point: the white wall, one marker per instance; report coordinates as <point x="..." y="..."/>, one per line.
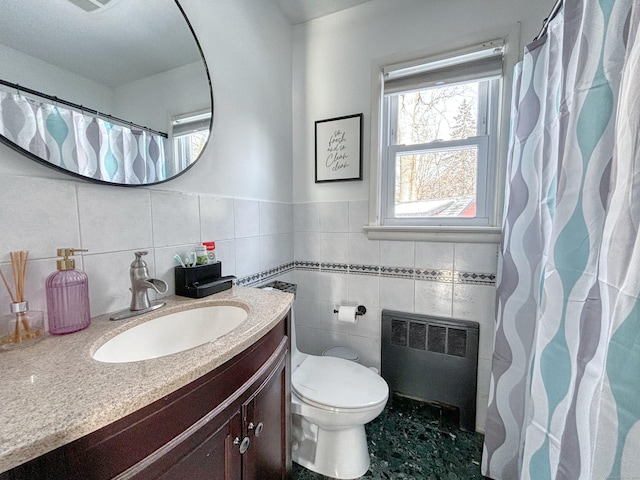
<point x="154" y="100"/>
<point x="28" y="71"/>
<point x="247" y="45"/>
<point x="333" y="59"/>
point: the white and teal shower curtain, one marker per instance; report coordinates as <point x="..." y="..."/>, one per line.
<point x="565" y="387"/>
<point x="82" y="144"/>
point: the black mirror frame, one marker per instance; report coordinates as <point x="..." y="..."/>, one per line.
<point x="32" y="156"/>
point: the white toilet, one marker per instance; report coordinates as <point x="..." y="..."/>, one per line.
<point x="331" y="401"/>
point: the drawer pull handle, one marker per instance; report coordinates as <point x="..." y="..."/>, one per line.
<point x="257" y="428"/>
<point x="243" y="445"/>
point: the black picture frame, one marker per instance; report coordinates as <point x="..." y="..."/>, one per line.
<point x="338" y="148"/>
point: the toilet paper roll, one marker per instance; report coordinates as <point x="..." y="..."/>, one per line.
<point x="347" y="314"/>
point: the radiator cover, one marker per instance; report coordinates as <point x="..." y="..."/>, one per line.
<point x="432" y="359"/>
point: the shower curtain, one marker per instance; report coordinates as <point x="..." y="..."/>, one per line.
<point x="565" y="386"/>
<point x="82" y="144"/>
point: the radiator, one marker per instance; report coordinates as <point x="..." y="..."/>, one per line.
<point x="432" y="359"/>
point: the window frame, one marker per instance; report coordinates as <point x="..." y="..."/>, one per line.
<point x="491" y="233"/>
<point x="183" y="127"/>
<point x="388" y="187"/>
<point x="485" y="170"/>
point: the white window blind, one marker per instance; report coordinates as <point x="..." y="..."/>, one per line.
<point x="190" y="123"/>
<point x="484" y="63"/>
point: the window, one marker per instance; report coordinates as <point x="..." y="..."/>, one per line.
<point x="439" y="140"/>
<point x="190" y="134"/>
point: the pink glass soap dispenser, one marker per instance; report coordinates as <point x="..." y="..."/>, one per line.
<point x="67" y="296"/>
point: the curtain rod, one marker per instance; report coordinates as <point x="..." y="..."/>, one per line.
<point x="545" y="25"/>
<point x="80" y="107"/>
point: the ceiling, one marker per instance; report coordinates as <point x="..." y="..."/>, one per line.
<point x="300" y="11"/>
<point x="89" y="44"/>
<point x="118" y="44"/>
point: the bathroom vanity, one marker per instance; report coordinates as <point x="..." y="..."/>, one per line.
<point x="230" y="421"/>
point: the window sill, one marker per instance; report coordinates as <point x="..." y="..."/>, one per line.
<point x="434" y="234"/>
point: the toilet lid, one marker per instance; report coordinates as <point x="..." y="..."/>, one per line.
<point x="338" y="383"/>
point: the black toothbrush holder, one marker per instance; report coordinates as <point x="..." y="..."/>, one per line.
<point x="201" y="280"/>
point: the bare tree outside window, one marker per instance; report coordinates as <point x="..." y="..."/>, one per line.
<point x="439" y="181"/>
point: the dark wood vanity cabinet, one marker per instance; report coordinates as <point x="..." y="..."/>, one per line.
<point x="231" y="424"/>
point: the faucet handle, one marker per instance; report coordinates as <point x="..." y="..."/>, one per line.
<point x="138" y="262"/>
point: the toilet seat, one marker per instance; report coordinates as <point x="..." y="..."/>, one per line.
<point x="335" y="383"/>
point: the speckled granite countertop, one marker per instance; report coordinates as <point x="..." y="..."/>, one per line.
<point x="54" y="392"/>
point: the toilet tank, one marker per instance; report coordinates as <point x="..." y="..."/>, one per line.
<point x="432" y="359"/>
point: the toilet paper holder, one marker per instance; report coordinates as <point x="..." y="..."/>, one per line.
<point x="361" y="310"/>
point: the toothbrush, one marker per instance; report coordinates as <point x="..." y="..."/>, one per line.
<point x="192" y="257"/>
<point x="177" y="258"/>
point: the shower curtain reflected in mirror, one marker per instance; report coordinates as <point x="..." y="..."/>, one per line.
<point x="566" y="365"/>
<point x="81" y="143"/>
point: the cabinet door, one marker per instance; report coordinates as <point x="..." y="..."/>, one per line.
<point x="201" y="455"/>
<point x="266" y="425"/>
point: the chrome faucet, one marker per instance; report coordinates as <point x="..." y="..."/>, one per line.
<point x="140" y="285"/>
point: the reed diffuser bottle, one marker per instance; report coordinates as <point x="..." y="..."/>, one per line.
<point x="67" y="296"/>
<point x="22" y="326"/>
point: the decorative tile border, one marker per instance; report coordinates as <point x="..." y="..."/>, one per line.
<point x="397" y="272"/>
<point x="302" y="265"/>
<point x="257" y="278"/>
<point x="364" y="269"/>
<point x="421" y="274"/>
<point x="475" y="278"/>
<point x="334" y="267"/>
<point x="432" y="275"/>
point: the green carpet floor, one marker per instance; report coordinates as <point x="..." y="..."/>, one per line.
<point x="414" y="440"/>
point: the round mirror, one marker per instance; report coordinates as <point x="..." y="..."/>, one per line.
<point x="115" y="91"/>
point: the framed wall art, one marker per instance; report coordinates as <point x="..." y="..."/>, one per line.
<point x="339" y="149"/>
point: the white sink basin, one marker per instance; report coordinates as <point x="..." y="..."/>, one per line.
<point x="172" y="333"/>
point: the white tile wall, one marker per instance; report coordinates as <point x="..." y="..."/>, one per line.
<point x="363" y="251"/>
<point x="268" y="252"/>
<point x="176" y="218"/>
<point x="334" y="216"/>
<point x="434" y="298"/>
<point x="434" y="255"/>
<point x="397" y="294"/>
<point x="246" y="218"/>
<point x="110" y="223"/>
<point x="476" y="257"/>
<point x="113" y="222"/>
<point x="364" y="290"/>
<point x="285" y="218"/>
<point x="319" y="236"/>
<point x="38" y="215"/>
<point x="226" y="253"/>
<point x="334" y="247"/>
<point x="307" y="246"/>
<point x="397" y="254"/>
<point x="306" y="217"/>
<point x="247" y="256"/>
<point x="269" y="217"/>
<point x="358" y="215"/>
<point x="216" y="218"/>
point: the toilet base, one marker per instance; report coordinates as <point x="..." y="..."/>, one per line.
<point x="340" y="453"/>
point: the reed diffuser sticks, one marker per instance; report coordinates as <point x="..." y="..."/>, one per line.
<point x="19" y="307"/>
<point x="19" y="267"/>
